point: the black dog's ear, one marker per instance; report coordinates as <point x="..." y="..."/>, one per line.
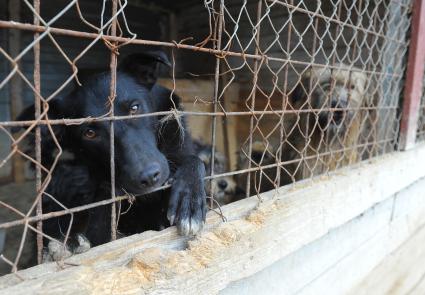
<point x="144" y="66"/>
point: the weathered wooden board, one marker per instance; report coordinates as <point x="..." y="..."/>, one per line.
<point x="401" y="272"/>
<point x="337" y="262"/>
<point x="414" y="77"/>
<point x="255" y="236"/>
<point x="407" y="217"/>
<point x="419" y="288"/>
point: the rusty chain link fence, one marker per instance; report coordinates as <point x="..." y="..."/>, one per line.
<point x="274" y="91"/>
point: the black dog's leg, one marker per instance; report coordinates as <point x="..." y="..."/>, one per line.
<point x="187" y="203"/>
<point x="69" y="187"/>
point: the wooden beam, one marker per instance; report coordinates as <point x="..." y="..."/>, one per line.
<point x="402" y="269"/>
<point x="231" y="145"/>
<point x="401" y="219"/>
<point x="414" y="77"/>
<point x="255" y="236"/>
<point x="190" y="90"/>
<point x="338" y="262"/>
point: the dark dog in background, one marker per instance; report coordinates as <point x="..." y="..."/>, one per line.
<point x="224" y="189"/>
<point x="148" y="151"/>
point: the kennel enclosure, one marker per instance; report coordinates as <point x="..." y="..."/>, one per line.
<point x="237" y="66"/>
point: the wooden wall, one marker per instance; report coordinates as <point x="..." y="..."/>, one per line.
<point x="197" y="95"/>
<point x="379" y="252"/>
<point x="330" y="233"/>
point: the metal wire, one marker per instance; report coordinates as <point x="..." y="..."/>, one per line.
<point x="319" y="89"/>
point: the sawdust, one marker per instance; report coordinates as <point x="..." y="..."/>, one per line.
<point x="156" y="266"/>
<point x="148" y="262"/>
<point x="257" y="218"/>
<point x="259" y="215"/>
<point x="118" y="280"/>
<point x="210" y="245"/>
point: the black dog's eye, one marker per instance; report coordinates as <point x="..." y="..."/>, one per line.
<point x="90" y="133"/>
<point x="134" y="108"/>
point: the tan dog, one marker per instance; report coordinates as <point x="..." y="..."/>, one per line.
<point x="325" y="136"/>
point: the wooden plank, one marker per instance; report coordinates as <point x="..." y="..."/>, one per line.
<point x="419" y="288"/>
<point x="255" y="236"/>
<point x="400" y="273"/>
<point x="229" y="124"/>
<point x="337" y="261"/>
<point x="357" y="265"/>
<point x="414" y="77"/>
<point x="197" y="95"/>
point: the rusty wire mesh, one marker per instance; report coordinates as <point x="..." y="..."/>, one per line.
<point x="292" y="90"/>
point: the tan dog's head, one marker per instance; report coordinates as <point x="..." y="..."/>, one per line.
<point x="335" y="95"/>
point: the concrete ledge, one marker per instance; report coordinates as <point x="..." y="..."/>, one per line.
<point x="255" y="236"/>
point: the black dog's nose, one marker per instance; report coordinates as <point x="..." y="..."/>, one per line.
<point x="222" y="184"/>
<point x="150" y="175"/>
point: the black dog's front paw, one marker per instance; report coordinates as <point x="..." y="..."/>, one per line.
<point x="56" y="251"/>
<point x="187" y="205"/>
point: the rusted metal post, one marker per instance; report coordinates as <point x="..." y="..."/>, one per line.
<point x="414" y="75"/>
<point x="37" y="104"/>
<point x="218" y="35"/>
<point x="112" y="95"/>
<point x="257" y="67"/>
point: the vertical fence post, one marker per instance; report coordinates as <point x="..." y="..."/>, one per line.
<point x="112" y="96"/>
<point x="37" y="105"/>
<point x="217" y="45"/>
<point x="257" y="66"/>
<point x="414" y="75"/>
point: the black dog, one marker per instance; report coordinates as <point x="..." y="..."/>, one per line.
<point x="148" y="151"/>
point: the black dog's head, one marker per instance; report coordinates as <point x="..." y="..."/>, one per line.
<point x="140" y="166"/>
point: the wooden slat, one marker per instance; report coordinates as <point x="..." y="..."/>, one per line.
<point x="255" y="236"/>
<point x="196" y="95"/>
<point x="419" y="288"/>
<point x="338" y="261"/>
<point x="414" y="77"/>
<point x="400" y="273"/>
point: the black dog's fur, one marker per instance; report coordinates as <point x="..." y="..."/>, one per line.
<point x="148" y="151"/>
